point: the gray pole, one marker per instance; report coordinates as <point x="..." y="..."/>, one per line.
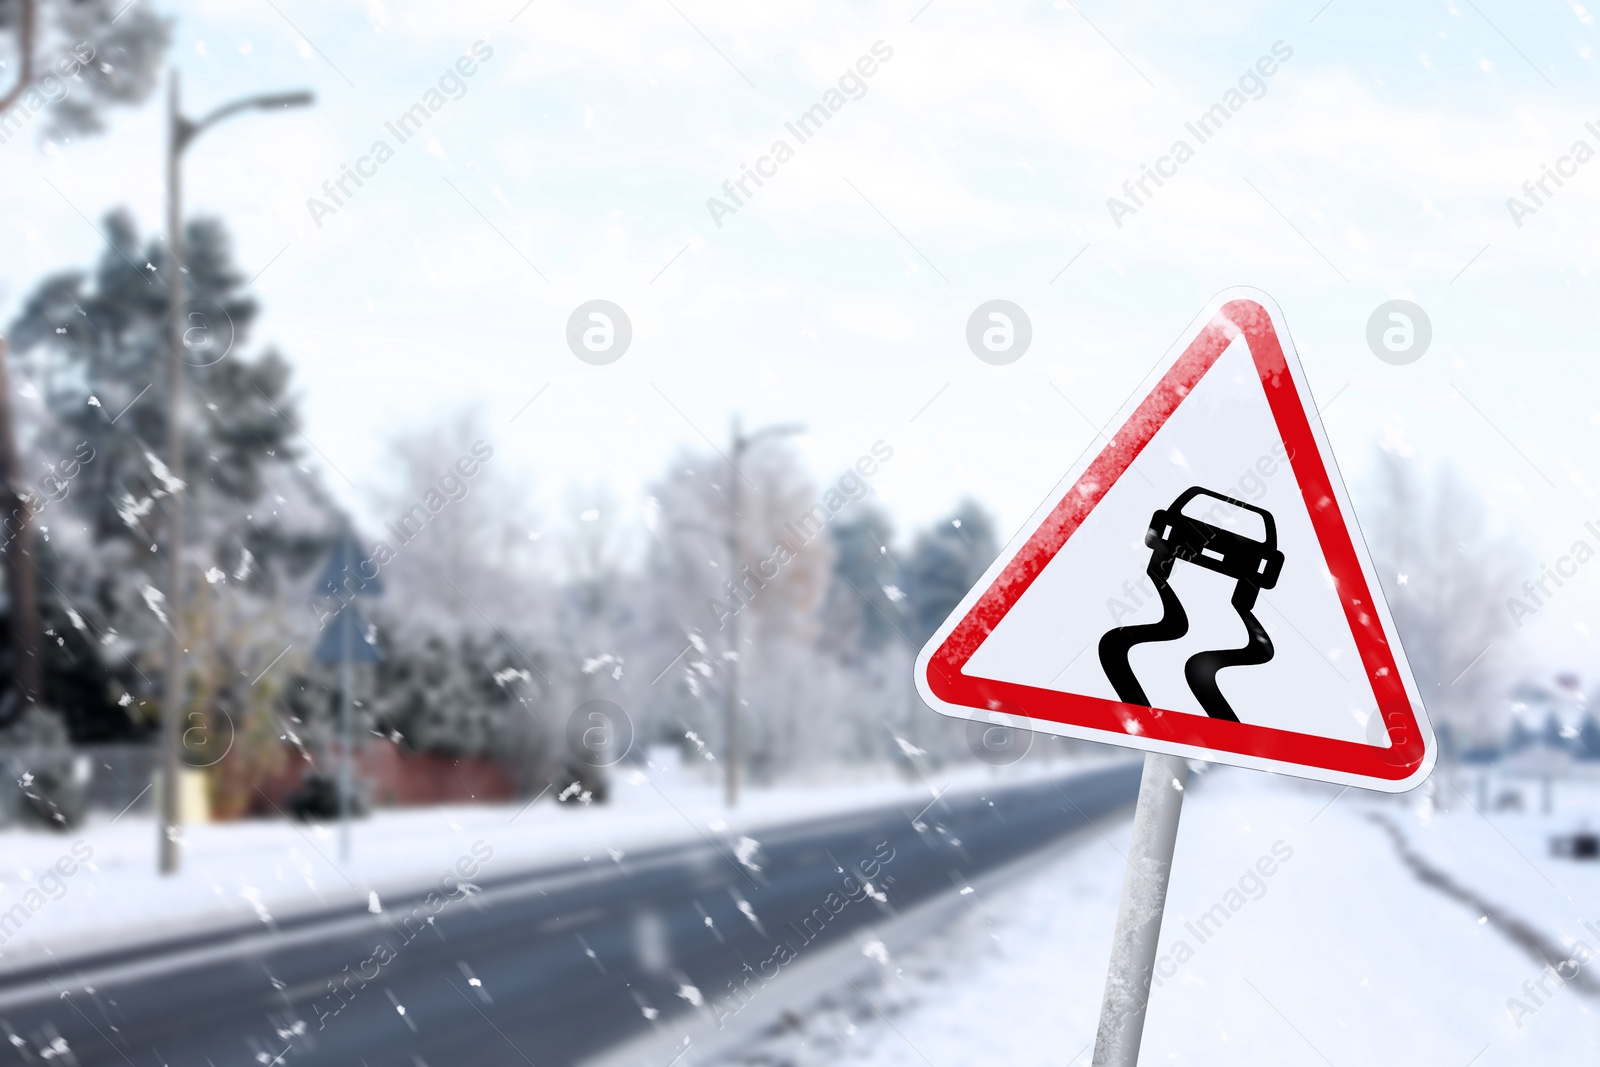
<point x="1144" y="897"/>
<point x="735" y="556"/>
<point x="171" y="712"/>
<point x="344" y="732"/>
<point x="179" y="133"/>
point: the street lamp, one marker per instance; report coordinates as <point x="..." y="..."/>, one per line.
<point x="741" y="445"/>
<point x="181" y="132"/>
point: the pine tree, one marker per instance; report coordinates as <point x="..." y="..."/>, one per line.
<point x="945" y="562"/>
<point x="96" y="344"/>
<point x="76" y="58"/>
<point x="72" y="61"/>
<point x="865" y="607"/>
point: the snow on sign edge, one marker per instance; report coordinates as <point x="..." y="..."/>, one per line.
<point x="1150" y="744"/>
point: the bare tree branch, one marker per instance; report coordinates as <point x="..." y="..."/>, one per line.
<point x="25" y="38"/>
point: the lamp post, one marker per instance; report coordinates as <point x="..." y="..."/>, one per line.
<point x="181" y="132"/>
<point x="741" y="445"/>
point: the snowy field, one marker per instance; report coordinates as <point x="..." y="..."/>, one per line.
<point x="264" y="870"/>
<point x="1341" y="955"/>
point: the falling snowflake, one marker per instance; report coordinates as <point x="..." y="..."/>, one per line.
<point x="130" y="511"/>
<point x="153" y="599"/>
<point x="911" y="751"/>
<point x="253" y="895"/>
<point x="745" y="851"/>
<point x="749" y="912"/>
<point x="163" y="475"/>
<point x="876" y="950"/>
<point x="590" y="666"/>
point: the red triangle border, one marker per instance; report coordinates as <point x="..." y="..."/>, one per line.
<point x="1407" y="750"/>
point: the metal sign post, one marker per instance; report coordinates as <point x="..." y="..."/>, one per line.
<point x="346" y="644"/>
<point x="346" y="684"/>
<point x="1144" y="897"/>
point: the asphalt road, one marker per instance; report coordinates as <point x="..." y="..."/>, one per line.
<point x="543" y="967"/>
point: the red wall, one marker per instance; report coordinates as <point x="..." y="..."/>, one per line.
<point x="396" y="778"/>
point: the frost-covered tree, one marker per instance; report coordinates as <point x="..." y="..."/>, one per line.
<point x="595" y="606"/>
<point x="595" y="599"/>
<point x="464" y="616"/>
<point x="457" y="519"/>
<point x="452" y="693"/>
<point x="72" y="59"/>
<point x="866" y="608"/>
<point x="945" y="562"/>
<point x="776" y="588"/>
<point x="95" y="344"/>
<point x="1446" y="573"/>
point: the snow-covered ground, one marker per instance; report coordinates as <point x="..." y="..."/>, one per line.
<point x="1340" y="955"/>
<point x="267" y="869"/>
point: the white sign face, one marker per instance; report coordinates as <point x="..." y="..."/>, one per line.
<point x="1199" y="586"/>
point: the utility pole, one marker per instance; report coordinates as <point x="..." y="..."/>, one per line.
<point x="735" y="545"/>
<point x="171" y="721"/>
<point x="181" y="132"/>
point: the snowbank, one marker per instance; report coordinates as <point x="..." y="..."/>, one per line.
<point x="264" y="871"/>
<point x="1339" y="955"/>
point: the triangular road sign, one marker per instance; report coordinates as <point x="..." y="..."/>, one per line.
<point x="1198" y="586"/>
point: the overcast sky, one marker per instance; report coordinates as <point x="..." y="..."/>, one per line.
<point x="976" y="164"/>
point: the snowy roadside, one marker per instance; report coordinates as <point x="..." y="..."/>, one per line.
<point x="263" y="871"/>
<point x="1553" y="893"/>
<point x="1338" y="955"/>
